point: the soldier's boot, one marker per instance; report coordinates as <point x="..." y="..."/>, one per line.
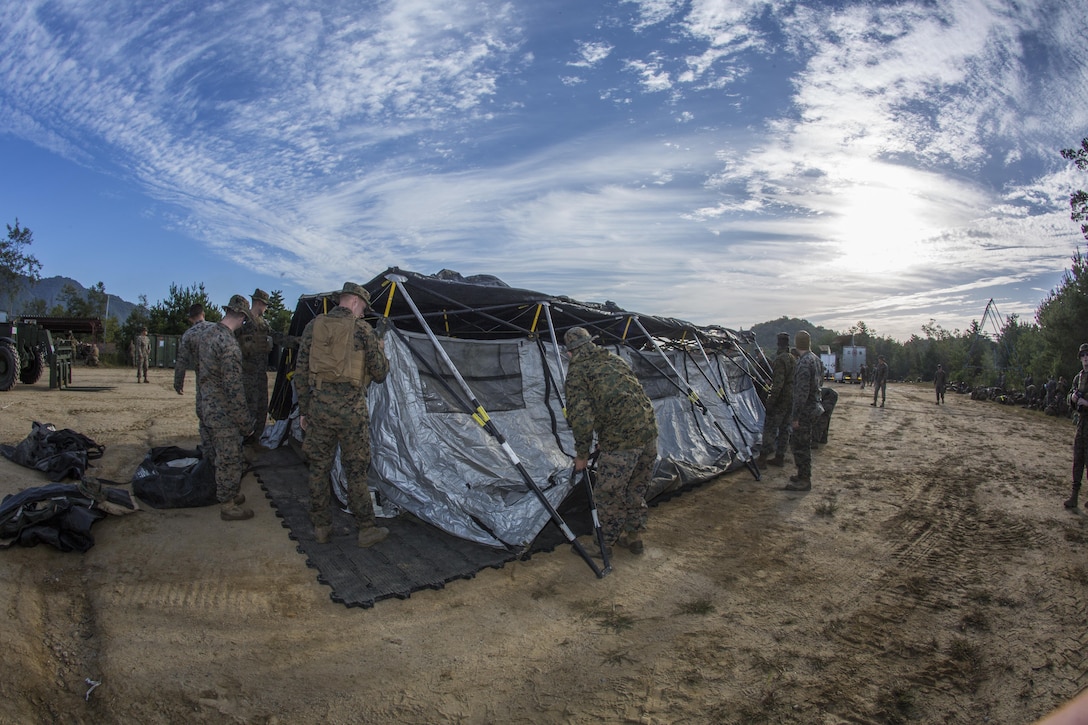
<point x="634" y="542"/>
<point x="762" y="460"/>
<point x="321" y="534"/>
<point x="1071" y="502"/>
<point x="797" y="483"/>
<point x="778" y="461"/>
<point x="231" y="511"/>
<point x="370" y="535"/>
<point x="239" y="498"/>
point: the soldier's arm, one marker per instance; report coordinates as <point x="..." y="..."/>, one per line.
<point x="377" y="364"/>
<point x="301" y="377"/>
<point x="180" y="364"/>
<point x="579" y="414"/>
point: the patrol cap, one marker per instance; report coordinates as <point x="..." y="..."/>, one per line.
<point x="350" y="288"/>
<point x="783" y="339"/>
<point x="803" y="340"/>
<point x="1083" y="349"/>
<point x="238" y="304"/>
<point x="576" y="337"/>
<point x="259" y="295"/>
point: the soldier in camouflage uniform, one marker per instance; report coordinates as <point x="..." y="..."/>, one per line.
<point x="223" y="409"/>
<point x="880" y="381"/>
<point x="1078" y="399"/>
<point x="776" y="423"/>
<point x="807" y="378"/>
<point x="338" y="357"/>
<point x="189" y="355"/>
<point x="603" y="395"/>
<point x="143" y="354"/>
<point x="255" y="339"/>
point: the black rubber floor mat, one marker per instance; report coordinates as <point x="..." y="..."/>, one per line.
<point x="415" y="556"/>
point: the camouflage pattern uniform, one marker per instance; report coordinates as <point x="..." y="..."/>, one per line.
<point x="189" y="354"/>
<point x="337" y="414"/>
<point x="1078" y="392"/>
<point x="806" y="409"/>
<point x="223" y="415"/>
<point x="603" y="395"/>
<point x="776" y="423"/>
<point x="880" y="382"/>
<point x="143" y="355"/>
<point x="255" y="339"/>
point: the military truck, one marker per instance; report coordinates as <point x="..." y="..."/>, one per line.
<point x="26" y="348"/>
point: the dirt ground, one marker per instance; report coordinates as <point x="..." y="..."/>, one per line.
<point x="930" y="576"/>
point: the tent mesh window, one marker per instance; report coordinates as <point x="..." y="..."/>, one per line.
<point x="491" y="369"/>
<point x="652" y="372"/>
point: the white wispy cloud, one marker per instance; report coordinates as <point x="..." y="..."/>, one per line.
<point x="907" y="164"/>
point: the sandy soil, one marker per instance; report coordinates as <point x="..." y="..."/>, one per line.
<point x="931" y="575"/>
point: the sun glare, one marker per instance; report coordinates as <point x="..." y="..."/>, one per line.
<point x="879" y="230"/>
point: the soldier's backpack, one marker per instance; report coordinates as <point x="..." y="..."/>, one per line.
<point x="333" y="357"/>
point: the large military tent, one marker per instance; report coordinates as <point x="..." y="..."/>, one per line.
<point x="468" y="431"/>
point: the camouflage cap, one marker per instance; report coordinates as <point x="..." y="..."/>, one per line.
<point x="576" y="337"/>
<point x="350" y="288"/>
<point x="803" y="340"/>
<point x="783" y="339"/>
<point x="238" y="304"/>
<point x="259" y="295"/>
<point x="1083" y="349"/>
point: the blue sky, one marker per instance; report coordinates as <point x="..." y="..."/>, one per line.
<point x="721" y="162"/>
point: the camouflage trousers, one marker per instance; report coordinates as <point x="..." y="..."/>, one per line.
<point x="1080" y="450"/>
<point x="327" y="428"/>
<point x="776" y="432"/>
<point x="141" y="368"/>
<point x="222" y="447"/>
<point x="623" y="478"/>
<point x="801" y="443"/>
<point x="255" y="384"/>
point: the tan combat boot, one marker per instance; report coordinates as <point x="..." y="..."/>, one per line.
<point x="370" y="535"/>
<point x="231" y="511"/>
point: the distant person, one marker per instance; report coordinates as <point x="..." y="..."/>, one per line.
<point x="776" y="421"/>
<point x="863" y="373"/>
<point x="806" y="409"/>
<point x="143" y="354"/>
<point x="605" y="397"/>
<point x="189" y="354"/>
<point x="92" y="355"/>
<point x="338" y="357"/>
<point x="880" y="381"/>
<point x="255" y="339"/>
<point x="940" y="382"/>
<point x="223" y="409"/>
<point x="1078" y="400"/>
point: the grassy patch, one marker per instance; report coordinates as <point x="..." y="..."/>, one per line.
<point x="702" y="605"/>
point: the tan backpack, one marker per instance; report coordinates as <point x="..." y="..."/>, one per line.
<point x="333" y="357"/>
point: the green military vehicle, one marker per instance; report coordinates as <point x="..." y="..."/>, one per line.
<point x="26" y="349"/>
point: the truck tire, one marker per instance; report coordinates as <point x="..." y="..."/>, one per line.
<point x="9" y="366"/>
<point x="33" y="370"/>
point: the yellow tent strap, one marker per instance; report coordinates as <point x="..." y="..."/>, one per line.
<point x="536" y="318"/>
<point x="446" y="322"/>
<point x="627" y="327"/>
<point x="480" y="416"/>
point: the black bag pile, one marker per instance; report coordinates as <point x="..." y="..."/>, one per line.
<point x="172" y="477"/>
<point x="59" y="453"/>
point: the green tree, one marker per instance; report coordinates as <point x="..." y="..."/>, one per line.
<point x="75" y="302"/>
<point x="1061" y="317"/>
<point x="171" y="316"/>
<point x="35" y="308"/>
<point x="277" y="314"/>
<point x="15" y="264"/>
<point x="139" y="318"/>
<point x="1078" y="200"/>
<point x="97" y="301"/>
